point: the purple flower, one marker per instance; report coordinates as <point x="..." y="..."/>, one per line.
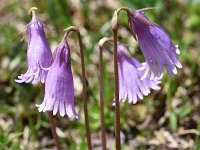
<point x="59" y="86"/>
<point x="132" y="83"/>
<point x="156" y="45"/>
<point x="38" y="54"/>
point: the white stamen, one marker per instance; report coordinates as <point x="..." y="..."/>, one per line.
<point x="178" y="51"/>
<point x="174" y="70"/>
<point x="160" y="77"/>
<point x="178" y="64"/>
<point x="143" y="67"/>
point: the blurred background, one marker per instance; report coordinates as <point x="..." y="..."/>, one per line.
<point x="167" y="119"/>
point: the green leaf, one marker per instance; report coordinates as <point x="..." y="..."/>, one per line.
<point x="185" y="110"/>
<point x="173" y="120"/>
<point x="193" y="21"/>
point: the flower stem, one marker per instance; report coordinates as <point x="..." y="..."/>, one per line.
<point x="122" y="8"/>
<point x="76" y="30"/>
<point x="32" y="11"/>
<point x="117" y="108"/>
<point x="53" y="130"/>
<point x="53" y="125"/>
<point x="101" y="87"/>
<point x="114" y="25"/>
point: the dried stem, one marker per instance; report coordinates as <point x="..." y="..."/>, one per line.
<point x="76" y="30"/>
<point x="101" y="87"/>
<point x="117" y="108"/>
<point x="53" y="125"/>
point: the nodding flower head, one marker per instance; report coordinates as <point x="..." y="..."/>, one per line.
<point x="155" y="43"/>
<point x="59" y="86"/>
<point x="38" y="54"/>
<point x="133" y="84"/>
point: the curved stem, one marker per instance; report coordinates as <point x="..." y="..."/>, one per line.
<point x="122" y="8"/>
<point x="53" y="125"/>
<point x="114" y="24"/>
<point x="32" y="11"/>
<point x="101" y="87"/>
<point x="76" y="30"/>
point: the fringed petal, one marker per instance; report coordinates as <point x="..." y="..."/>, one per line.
<point x="38" y="51"/>
<point x="155" y="43"/>
<point x="59" y="88"/>
<point x="135" y="79"/>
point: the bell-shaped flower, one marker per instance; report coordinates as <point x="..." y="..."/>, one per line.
<point x="59" y="86"/>
<point x="156" y="45"/>
<point x="133" y="84"/>
<point x="38" y="54"/>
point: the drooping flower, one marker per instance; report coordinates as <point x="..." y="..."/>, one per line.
<point x="59" y="86"/>
<point x="132" y="83"/>
<point x="156" y="45"/>
<point x="38" y="54"/>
